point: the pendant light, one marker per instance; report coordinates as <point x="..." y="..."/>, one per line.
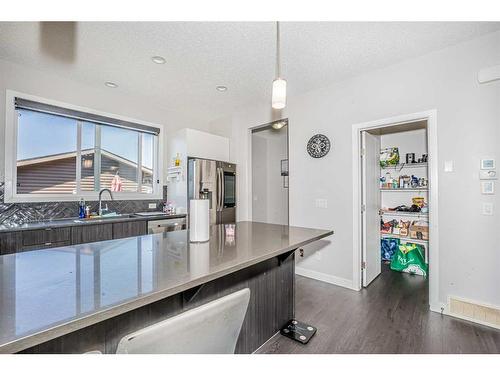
<point x="279" y="84"/>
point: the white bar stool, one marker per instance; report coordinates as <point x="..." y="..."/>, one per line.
<point x="212" y="328"/>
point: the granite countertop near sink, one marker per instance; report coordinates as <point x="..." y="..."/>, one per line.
<point x="48" y="293"/>
<point x="76" y="221"/>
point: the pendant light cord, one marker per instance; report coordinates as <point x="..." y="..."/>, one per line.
<point x="278" y="50"/>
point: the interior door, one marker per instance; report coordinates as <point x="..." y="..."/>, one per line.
<point x="370" y="207"/>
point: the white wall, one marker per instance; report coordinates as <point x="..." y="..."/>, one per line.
<point x="35" y="82"/>
<point x="270" y="197"/>
<point x="468" y="121"/>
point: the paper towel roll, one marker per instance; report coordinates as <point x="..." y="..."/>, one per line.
<point x="199" y="220"/>
<point x="199" y="259"/>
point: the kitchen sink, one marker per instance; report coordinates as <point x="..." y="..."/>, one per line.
<point x="97" y="219"/>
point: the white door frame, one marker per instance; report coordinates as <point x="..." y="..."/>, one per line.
<point x="432" y="144"/>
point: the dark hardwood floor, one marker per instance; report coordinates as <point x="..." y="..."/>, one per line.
<point x="390" y="316"/>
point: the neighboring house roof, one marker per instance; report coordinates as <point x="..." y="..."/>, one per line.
<point x="56" y="173"/>
<point x="49" y="158"/>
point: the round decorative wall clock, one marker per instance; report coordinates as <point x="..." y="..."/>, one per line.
<point x="318" y="146"/>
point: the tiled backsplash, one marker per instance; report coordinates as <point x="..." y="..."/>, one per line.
<point x="19" y="213"/>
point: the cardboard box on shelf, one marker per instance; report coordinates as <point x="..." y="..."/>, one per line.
<point x="419" y="231"/>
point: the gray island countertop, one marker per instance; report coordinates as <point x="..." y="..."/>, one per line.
<point x="45" y="294"/>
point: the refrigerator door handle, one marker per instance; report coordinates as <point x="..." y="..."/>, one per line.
<point x="222" y="183"/>
<point x="218" y="189"/>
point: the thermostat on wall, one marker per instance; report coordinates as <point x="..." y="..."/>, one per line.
<point x="487" y="163"/>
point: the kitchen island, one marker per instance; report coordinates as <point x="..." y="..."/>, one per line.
<point x="86" y="297"/>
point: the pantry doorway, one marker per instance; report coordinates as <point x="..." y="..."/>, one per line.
<point x="395" y="195"/>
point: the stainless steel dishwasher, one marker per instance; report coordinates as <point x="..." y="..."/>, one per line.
<point x="166" y="225"/>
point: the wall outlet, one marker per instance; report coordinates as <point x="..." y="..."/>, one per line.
<point x="448" y="166"/>
<point x="487" y="209"/>
<point x="321" y="203"/>
<point x="152" y="205"/>
<point x="317" y="254"/>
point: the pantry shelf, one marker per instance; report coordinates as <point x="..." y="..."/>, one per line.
<point x="409" y="165"/>
<point x="404" y="239"/>
<point x="405" y="189"/>
<point x="404" y="213"/>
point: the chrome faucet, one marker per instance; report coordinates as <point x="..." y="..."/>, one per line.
<point x="100" y="200"/>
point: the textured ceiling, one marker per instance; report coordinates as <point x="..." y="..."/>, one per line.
<point x="201" y="55"/>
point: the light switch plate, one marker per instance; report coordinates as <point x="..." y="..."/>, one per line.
<point x="321" y="203"/>
<point x="487" y="209"/>
<point x="488" y="174"/>
<point x="448" y="166"/>
<point x="487" y="187"/>
<point x="152" y="205"/>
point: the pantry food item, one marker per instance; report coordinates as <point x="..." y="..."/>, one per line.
<point x="403" y="228"/>
<point x="403" y="208"/>
<point x="418" y="201"/>
<point x="389" y="156"/>
<point x="419" y="230"/>
<point x="386" y="227"/>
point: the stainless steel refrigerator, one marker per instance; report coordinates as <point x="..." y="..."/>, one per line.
<point x="215" y="181"/>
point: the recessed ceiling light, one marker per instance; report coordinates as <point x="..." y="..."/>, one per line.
<point x="111" y="84"/>
<point x="221" y="88"/>
<point x="158" y="60"/>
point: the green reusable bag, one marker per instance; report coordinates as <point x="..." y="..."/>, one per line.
<point x="409" y="259"/>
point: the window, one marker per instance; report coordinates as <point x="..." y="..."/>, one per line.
<point x="46" y="153"/>
<point x="62" y="153"/>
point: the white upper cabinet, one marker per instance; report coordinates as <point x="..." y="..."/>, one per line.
<point x="207" y="146"/>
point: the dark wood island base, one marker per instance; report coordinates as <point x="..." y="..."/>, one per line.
<point x="272" y="304"/>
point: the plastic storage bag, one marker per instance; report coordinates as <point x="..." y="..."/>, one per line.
<point x="389" y="246"/>
<point x="389" y="156"/>
<point x="409" y="259"/>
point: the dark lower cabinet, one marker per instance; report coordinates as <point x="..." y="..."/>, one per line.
<point x="14" y="242"/>
<point x="10" y="242"/>
<point x="91" y="233"/>
<point x="129" y="229"/>
<point x="47" y="245"/>
<point x="46" y="238"/>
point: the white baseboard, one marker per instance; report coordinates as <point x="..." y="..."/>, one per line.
<point x="438" y="307"/>
<point x="339" y="281"/>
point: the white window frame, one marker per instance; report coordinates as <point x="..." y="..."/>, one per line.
<point x="10" y="142"/>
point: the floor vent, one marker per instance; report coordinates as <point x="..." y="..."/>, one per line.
<point x="475" y="312"/>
